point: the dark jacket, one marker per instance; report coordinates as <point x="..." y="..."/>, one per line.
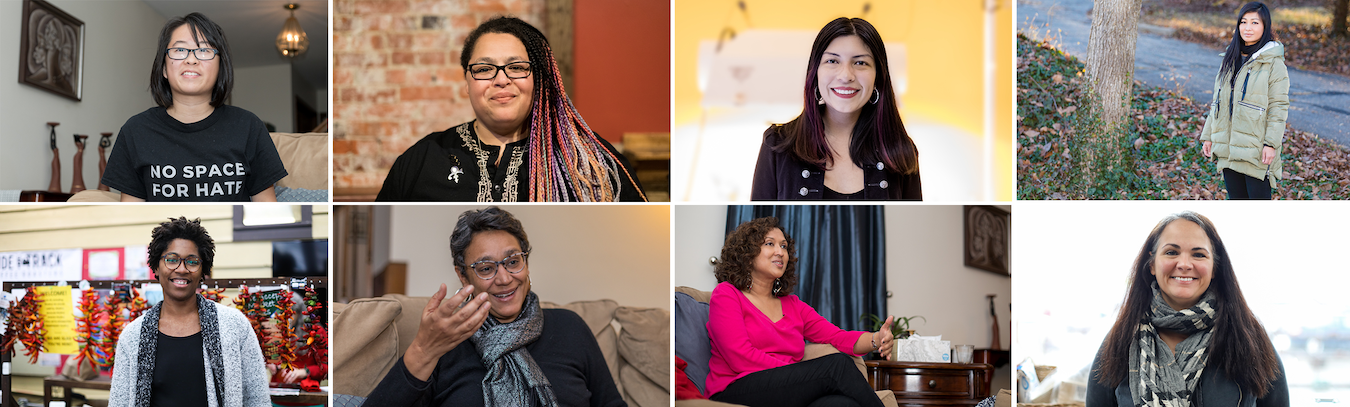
<point x="781" y="176"/>
<point x="1214" y="390"/>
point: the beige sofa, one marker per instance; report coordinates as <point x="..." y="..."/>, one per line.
<point x="305" y="156"/>
<point x="370" y="334"/>
<point x="813" y="350"/>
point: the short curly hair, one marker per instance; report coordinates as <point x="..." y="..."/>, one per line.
<point x="743" y="245"/>
<point x="483" y="220"/>
<point x="181" y="228"/>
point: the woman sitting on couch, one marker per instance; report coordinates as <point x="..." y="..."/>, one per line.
<point x="757" y="328"/>
<point x="512" y="357"/>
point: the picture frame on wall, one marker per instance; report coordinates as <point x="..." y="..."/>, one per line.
<point x="51" y="50"/>
<point x="987" y="236"/>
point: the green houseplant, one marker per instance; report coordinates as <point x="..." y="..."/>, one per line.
<point x="899" y="329"/>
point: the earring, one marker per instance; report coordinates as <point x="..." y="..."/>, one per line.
<point x="820" y="100"/>
<point x="777" y="285"/>
<point x="876" y="96"/>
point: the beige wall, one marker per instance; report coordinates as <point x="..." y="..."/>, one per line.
<point x="266" y="91"/>
<point x="619" y="252"/>
<point x="43" y="227"/>
<point x="924" y="270"/>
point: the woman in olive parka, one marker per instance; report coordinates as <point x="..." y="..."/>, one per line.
<point x="1251" y="101"/>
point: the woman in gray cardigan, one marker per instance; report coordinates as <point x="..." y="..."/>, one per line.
<point x="186" y="350"/>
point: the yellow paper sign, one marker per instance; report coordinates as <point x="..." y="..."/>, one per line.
<point x="58" y="315"/>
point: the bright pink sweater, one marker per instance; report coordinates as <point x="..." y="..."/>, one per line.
<point x="745" y="341"/>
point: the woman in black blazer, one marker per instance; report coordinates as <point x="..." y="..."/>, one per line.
<point x="850" y="117"/>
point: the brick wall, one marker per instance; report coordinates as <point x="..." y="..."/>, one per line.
<point x="396" y="76"/>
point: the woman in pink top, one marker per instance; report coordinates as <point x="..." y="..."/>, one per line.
<point x="758" y="331"/>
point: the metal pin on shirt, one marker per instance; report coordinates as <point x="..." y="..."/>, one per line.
<point x="454" y="174"/>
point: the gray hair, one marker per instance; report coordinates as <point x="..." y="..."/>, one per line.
<point x="472" y="222"/>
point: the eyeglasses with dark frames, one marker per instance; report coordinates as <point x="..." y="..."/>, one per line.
<point x="514" y="70"/>
<point x="203" y="54"/>
<point x="487" y="269"/>
<point x="172" y="261"/>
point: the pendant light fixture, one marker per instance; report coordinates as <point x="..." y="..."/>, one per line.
<point x="292" y="40"/>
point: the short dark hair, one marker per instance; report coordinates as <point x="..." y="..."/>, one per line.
<point x="1239" y="347"/>
<point x="206" y="29"/>
<point x="472" y="222"/>
<point x="181" y="228"/>
<point x="742" y="246"/>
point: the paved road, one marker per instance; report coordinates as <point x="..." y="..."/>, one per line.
<point x="1319" y="103"/>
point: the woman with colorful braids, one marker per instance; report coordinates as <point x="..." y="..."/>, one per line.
<point x="527" y="141"/>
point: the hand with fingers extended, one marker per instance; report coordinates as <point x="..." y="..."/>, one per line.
<point x="884" y="340"/>
<point x="445" y="324"/>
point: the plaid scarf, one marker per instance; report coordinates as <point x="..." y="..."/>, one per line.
<point x="1158" y="377"/>
<point x="513" y="378"/>
<point x="145" y="370"/>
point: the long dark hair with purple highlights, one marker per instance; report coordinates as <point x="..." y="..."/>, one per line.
<point x="878" y="136"/>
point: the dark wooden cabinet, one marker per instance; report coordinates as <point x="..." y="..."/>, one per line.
<point x="931" y="384"/>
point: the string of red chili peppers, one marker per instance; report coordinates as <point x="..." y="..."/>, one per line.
<point x="25" y="326"/>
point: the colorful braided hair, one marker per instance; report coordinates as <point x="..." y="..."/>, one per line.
<point x="568" y="162"/>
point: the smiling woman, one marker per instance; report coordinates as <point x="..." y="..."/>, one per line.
<point x="192" y="128"/>
<point x="490" y="343"/>
<point x="160" y="355"/>
<point x="528" y="143"/>
<point x="1185" y="335"/>
<point x="849" y="142"/>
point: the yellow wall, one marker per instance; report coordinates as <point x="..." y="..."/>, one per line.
<point x="45" y="227"/>
<point x="944" y="42"/>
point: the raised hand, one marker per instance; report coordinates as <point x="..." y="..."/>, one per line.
<point x="445" y="324"/>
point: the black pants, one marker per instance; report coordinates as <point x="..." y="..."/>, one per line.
<point x="1243" y="186"/>
<point x="831" y="380"/>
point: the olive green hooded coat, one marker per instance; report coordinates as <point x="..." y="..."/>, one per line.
<point x="1250" y="114"/>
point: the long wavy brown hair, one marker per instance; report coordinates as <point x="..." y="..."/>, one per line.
<point x="743" y="245"/>
<point x="1239" y="346"/>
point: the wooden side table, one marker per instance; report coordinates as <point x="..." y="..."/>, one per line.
<point x="43" y="196"/>
<point x="931" y="384"/>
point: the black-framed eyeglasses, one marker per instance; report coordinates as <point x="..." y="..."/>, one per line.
<point x="514" y="70"/>
<point x="203" y="54"/>
<point x="487" y="269"/>
<point x="193" y="263"/>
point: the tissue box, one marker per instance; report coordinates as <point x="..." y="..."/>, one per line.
<point x="923" y="350"/>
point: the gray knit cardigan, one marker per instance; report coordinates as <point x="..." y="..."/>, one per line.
<point x="245" y="371"/>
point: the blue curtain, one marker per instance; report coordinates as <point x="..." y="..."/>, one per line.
<point x="841" y="253"/>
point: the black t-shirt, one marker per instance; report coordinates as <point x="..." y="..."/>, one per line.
<point x="228" y="156"/>
<point x="180" y="372"/>
<point x="449" y="166"/>
<point x="566" y="352"/>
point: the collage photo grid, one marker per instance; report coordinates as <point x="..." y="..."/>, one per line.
<point x="350" y="202"/>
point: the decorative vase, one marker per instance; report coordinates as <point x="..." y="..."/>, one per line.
<point x="994" y="344"/>
<point x="103" y="144"/>
<point x="55" y="186"/>
<point x="77" y="178"/>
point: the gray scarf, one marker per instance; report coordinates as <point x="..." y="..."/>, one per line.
<point x="513" y="379"/>
<point x="1159" y="378"/>
<point x="145" y="369"/>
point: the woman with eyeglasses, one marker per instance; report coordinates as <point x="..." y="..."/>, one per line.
<point x="192" y="146"/>
<point x="187" y="350"/>
<point x="526" y="143"/>
<point x="490" y="343"/>
<point x="849" y="142"/>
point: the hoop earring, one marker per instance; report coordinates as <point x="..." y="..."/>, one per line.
<point x="876" y="96"/>
<point x="777" y="285"/>
<point x="820" y="100"/>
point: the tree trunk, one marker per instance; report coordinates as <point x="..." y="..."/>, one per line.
<point x="1338" y="15"/>
<point x="1110" y="56"/>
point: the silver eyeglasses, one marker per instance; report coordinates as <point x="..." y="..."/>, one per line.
<point x="203" y="54"/>
<point x="487" y="269"/>
<point x="514" y="70"/>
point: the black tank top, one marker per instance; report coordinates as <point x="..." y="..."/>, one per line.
<point x="180" y="372"/>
